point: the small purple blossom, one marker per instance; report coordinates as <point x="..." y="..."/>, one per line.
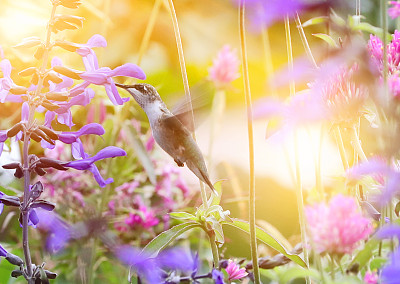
<point x="3" y="138"/>
<point x="87" y="162"/>
<point x="1" y="204"/>
<point x="71" y="137"/>
<point x="217" y="276"/>
<point x="3" y="252"/>
<point x="390" y="272"/>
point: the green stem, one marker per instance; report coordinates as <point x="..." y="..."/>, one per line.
<point x="384" y="6"/>
<point x="252" y="189"/>
<point x="355" y="141"/>
<point x="149" y="29"/>
<point x="269" y="67"/>
<point x="342" y="150"/>
<point x="304" y="40"/>
<point x="185" y="82"/>
<point x="332" y="261"/>
<point x="214" y="249"/>
<point x="299" y="191"/>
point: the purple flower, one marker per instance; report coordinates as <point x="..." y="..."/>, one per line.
<point x="264" y="13"/>
<point x="177" y="259"/>
<point x="58" y="231"/>
<point x="390" y="272"/>
<point x="87" y="163"/>
<point x="217" y="276"/>
<point x="103" y="76"/>
<point x="71" y="137"/>
<point x="3" y="252"/>
<point x="387" y="177"/>
<point x="389" y="231"/>
<point x="146" y="267"/>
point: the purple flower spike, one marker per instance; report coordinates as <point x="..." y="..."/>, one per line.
<point x="84" y="164"/>
<point x="389" y="231"/>
<point x="218" y="276"/>
<point x="3" y="252"/>
<point x="71" y="137"/>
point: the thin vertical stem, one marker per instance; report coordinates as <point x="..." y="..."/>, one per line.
<point x="217" y="109"/>
<point x="342" y="150"/>
<point x="252" y="189"/>
<point x="299" y="189"/>
<point x="185" y="82"/>
<point x="269" y="68"/>
<point x="384" y="6"/>
<point x="149" y="29"/>
<point x="355" y="141"/>
<point x="304" y="40"/>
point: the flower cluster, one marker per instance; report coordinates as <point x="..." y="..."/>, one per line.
<point x="225" y="67"/>
<point x="375" y="49"/>
<point x="337" y="227"/>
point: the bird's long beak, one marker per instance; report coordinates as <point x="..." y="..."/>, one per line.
<point x="125" y="86"/>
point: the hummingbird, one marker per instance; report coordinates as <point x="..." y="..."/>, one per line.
<point x="169" y="132"/>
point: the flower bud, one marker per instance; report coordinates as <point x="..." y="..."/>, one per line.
<point x="49" y="132"/>
<point x="60" y="97"/>
<point x="49" y="105"/>
<point x="28" y="72"/>
<point x="39" y="52"/>
<point x="10" y="200"/>
<point x="15" y="129"/>
<point x="14" y="259"/>
<point x="16" y="273"/>
<point x="40" y="171"/>
<point x="28" y="42"/>
<point x="72" y="4"/>
<point x="36" y="191"/>
<point x="69" y="46"/>
<point x="18" y="90"/>
<point x="73" y="74"/>
<point x="44" y="204"/>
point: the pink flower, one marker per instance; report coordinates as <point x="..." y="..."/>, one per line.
<point x="375" y="48"/>
<point x="337" y="227"/>
<point x="394" y="84"/>
<point x="145" y="218"/>
<point x="394" y="11"/>
<point x="344" y="98"/>
<point x="234" y="271"/>
<point x="371" y="277"/>
<point x="225" y="67"/>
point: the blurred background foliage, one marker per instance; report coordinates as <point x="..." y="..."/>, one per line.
<point x="205" y="27"/>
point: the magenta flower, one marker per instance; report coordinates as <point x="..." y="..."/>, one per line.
<point x="337" y="227"/>
<point x="234" y="271"/>
<point x="144" y="218"/>
<point x="3" y="138"/>
<point x="375" y="48"/>
<point x="225" y="67"/>
<point x="394" y="10"/>
<point x="371" y="277"/>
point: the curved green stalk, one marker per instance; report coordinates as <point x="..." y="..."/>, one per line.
<point x="252" y="189"/>
<point x="269" y="68"/>
<point x="170" y="4"/>
<point x="342" y="150"/>
<point x="299" y="191"/>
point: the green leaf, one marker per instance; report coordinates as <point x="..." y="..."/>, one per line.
<point x="328" y="39"/>
<point x="140" y="150"/>
<point x="182" y="216"/>
<point x="298" y="272"/>
<point x="377" y="263"/>
<point x="315" y="21"/>
<point x="365" y="254"/>
<point x="268" y="239"/>
<point x="165" y="238"/>
<point x="215" y="200"/>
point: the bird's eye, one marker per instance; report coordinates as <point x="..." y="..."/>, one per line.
<point x="144" y="88"/>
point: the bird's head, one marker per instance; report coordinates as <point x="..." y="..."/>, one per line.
<point x="143" y="93"/>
